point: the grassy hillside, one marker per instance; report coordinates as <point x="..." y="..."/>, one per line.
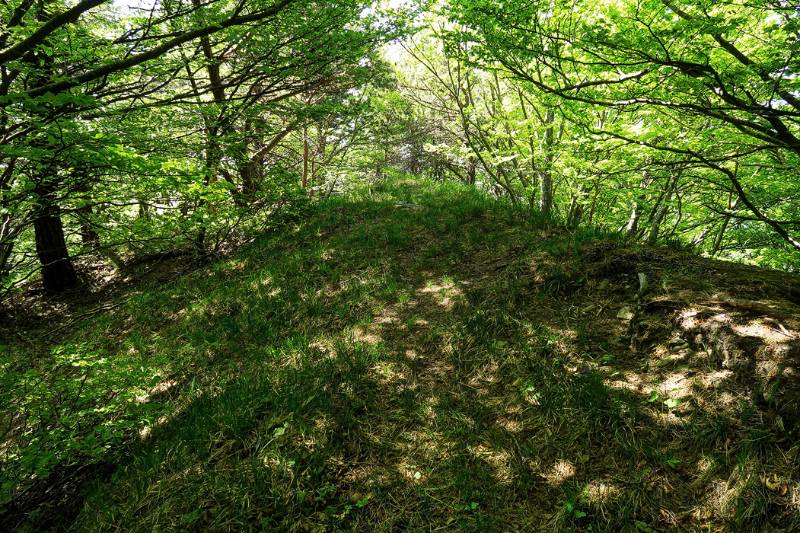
<point x="414" y="356"/>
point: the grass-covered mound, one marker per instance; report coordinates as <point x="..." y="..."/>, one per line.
<point x="415" y="356"/>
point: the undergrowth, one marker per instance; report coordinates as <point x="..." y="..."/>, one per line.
<point x="411" y="356"/>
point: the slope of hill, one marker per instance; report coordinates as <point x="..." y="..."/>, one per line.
<point x="415" y="356"/>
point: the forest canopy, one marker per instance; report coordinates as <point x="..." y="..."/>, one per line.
<point x="132" y="129"/>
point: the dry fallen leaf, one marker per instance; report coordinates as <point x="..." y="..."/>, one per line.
<point x="774" y="484"/>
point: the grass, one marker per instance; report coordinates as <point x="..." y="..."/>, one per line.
<point x="412" y="356"/>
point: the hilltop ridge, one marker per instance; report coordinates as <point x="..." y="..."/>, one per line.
<point x="416" y="355"/>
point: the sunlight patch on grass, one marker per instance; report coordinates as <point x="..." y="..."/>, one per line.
<point x="412" y="473"/>
<point x="387" y="317"/>
<point x="499" y="461"/>
<point x="629" y="380"/>
<point x="559" y="472"/>
<point x="773" y="333"/>
<point x="509" y="424"/>
<point x="393" y="375"/>
<point x="601" y="493"/>
<point x="484" y="377"/>
<point x="265" y="281"/>
<point x="161" y="388"/>
<point x="365" y="336"/>
<point x="445" y="293"/>
<point x="716" y="379"/>
<point x="676" y="385"/>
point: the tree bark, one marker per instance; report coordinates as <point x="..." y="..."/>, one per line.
<point x="720" y="236"/>
<point x="575" y="209"/>
<point x="6" y="248"/>
<point x="89" y="236"/>
<point x="58" y="274"/>
<point x="472" y="169"/>
<point x="546" y="183"/>
<point x="633" y="222"/>
<point x="304" y="179"/>
<point x="663" y="207"/>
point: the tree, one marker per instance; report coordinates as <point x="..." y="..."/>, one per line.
<point x="85" y="76"/>
<point x="733" y="66"/>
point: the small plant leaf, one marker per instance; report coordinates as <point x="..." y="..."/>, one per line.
<point x="672" y="403"/>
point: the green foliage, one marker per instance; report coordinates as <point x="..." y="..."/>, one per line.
<point x="173" y="128"/>
<point x="674" y="107"/>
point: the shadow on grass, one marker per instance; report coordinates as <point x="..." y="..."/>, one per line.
<point x="419" y="367"/>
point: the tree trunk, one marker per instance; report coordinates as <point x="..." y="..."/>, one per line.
<point x="6" y="249"/>
<point x="200" y="242"/>
<point x="251" y="174"/>
<point x="6" y="245"/>
<point x="89" y="236"/>
<point x="663" y="207"/>
<point x="58" y="274"/>
<point x="472" y="169"/>
<point x="590" y="220"/>
<point x="575" y="210"/>
<point x="720" y="236"/>
<point x="144" y="210"/>
<point x="633" y="222"/>
<point x="546" y="183"/>
<point x="304" y="179"/>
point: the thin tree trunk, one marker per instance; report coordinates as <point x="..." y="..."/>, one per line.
<point x="632" y="228"/>
<point x="472" y="168"/>
<point x="250" y="174"/>
<point x="6" y="248"/>
<point x="89" y="236"/>
<point x="304" y="179"/>
<point x="575" y="209"/>
<point x="8" y="235"/>
<point x="663" y="207"/>
<point x="531" y="147"/>
<point x="592" y="209"/>
<point x="546" y="183"/>
<point x="720" y="236"/>
<point x="214" y="127"/>
<point x="144" y="210"/>
<point x="8" y="232"/>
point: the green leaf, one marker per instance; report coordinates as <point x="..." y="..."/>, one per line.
<point x="362" y="502"/>
<point x="672" y="403"/>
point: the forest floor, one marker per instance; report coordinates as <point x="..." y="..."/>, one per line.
<point x="414" y="356"/>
